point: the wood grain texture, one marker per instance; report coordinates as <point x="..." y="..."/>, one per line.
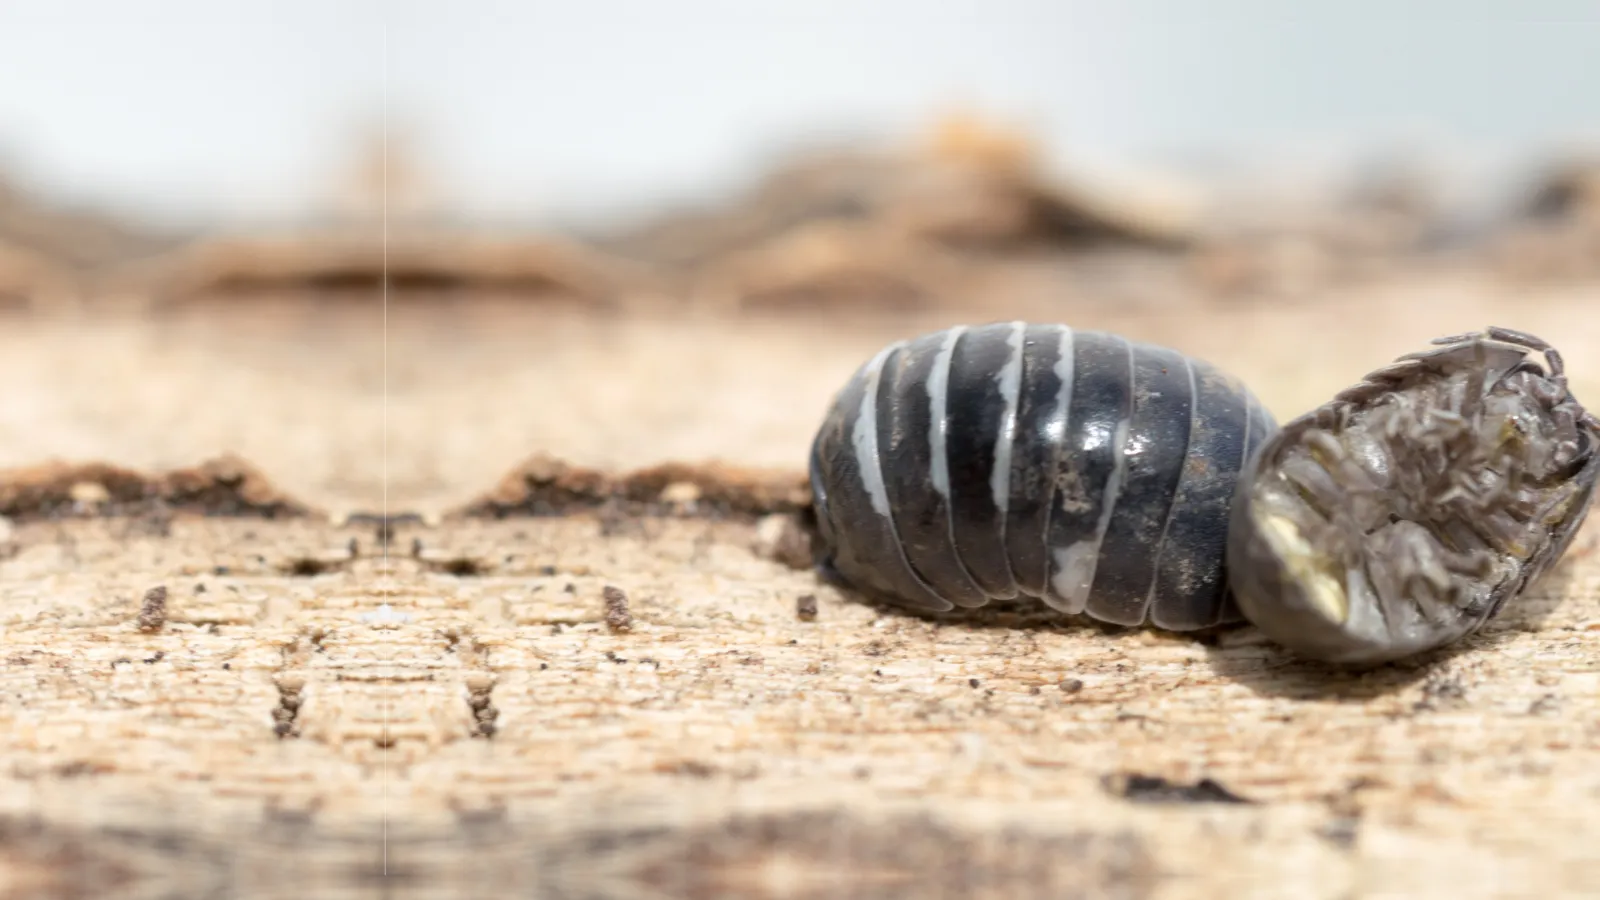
<point x="446" y="711"/>
<point x="264" y="740"/>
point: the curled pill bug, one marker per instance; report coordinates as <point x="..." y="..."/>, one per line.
<point x="1081" y="468"/>
<point x="1409" y="510"/>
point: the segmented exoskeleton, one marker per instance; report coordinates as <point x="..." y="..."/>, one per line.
<point x="1079" y="467"/>
<point x="1410" y="509"/>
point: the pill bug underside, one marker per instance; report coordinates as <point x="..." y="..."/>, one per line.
<point x="1005" y="460"/>
<point x="1408" y="511"/>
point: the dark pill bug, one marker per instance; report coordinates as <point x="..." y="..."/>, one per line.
<point x="1093" y="472"/>
<point x="1406" y="512"/>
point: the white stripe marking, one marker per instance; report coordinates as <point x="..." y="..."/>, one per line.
<point x="1076" y="565"/>
<point x="1010" y="379"/>
<point x="1244" y="458"/>
<point x="938" y="398"/>
<point x="1066" y="364"/>
<point x="864" y="435"/>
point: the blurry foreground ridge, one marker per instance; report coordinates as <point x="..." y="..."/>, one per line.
<point x="386" y="177"/>
<point x="965" y="184"/>
<point x="1556" y="233"/>
<point x="50" y="251"/>
<point x="967" y="210"/>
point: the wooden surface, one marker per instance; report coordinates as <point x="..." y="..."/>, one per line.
<point x="448" y="713"/>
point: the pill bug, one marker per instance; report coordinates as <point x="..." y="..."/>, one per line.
<point x="1406" y="512"/>
<point x="1010" y="459"/>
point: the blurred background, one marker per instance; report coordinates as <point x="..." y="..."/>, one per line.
<point x="360" y="169"/>
<point x="190" y="112"/>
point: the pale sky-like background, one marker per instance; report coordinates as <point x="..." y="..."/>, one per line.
<point x="189" y="109"/>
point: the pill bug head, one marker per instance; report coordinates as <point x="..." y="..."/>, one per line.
<point x="1406" y="512"/>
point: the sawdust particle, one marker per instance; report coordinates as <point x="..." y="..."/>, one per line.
<point x="618" y="618"/>
<point x="153" y="612"/>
